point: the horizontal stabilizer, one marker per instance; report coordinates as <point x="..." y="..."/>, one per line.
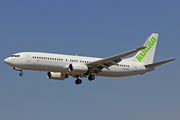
<point x="158" y="63"/>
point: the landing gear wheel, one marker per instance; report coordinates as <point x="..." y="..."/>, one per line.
<point x="21" y="74"/>
<point x="91" y="77"/>
<point x="78" y="81"/>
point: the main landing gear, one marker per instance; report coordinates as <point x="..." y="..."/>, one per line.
<point x="79" y="81"/>
<point x="21" y="73"/>
<point x="91" y="77"/>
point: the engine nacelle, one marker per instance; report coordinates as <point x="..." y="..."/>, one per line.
<point x="78" y="69"/>
<point x="56" y="75"/>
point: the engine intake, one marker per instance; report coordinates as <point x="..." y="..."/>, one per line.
<point x="56" y="75"/>
<point x="77" y="69"/>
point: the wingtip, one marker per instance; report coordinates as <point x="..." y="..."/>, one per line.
<point x="146" y="43"/>
<point x="141" y="48"/>
<point x="173" y="59"/>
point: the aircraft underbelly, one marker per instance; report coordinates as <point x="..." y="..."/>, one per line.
<point x="122" y="72"/>
<point x="48" y="67"/>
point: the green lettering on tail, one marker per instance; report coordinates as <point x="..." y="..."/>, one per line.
<point x="139" y="58"/>
<point x="143" y="53"/>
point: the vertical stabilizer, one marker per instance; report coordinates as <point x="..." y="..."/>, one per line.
<point x="147" y="55"/>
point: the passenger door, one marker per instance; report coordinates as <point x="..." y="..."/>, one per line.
<point x="28" y="57"/>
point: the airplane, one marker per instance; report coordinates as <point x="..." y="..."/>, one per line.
<point x="60" y="67"/>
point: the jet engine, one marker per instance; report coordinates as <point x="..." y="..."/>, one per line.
<point x="77" y="69"/>
<point x="56" y="75"/>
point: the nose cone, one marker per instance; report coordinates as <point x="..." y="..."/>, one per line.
<point x="8" y="61"/>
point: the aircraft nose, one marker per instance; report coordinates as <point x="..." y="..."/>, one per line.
<point x="8" y="60"/>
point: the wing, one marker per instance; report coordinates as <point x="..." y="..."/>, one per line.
<point x="97" y="66"/>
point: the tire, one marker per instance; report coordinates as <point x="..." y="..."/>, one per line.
<point x="91" y="77"/>
<point x="78" y="81"/>
<point x="21" y="74"/>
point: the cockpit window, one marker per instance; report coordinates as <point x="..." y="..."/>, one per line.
<point x="15" y="55"/>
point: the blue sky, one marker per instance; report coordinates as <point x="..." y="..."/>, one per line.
<point x="98" y="28"/>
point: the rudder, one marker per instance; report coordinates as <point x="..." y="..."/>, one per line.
<point x="147" y="55"/>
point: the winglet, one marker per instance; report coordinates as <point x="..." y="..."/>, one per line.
<point x="146" y="43"/>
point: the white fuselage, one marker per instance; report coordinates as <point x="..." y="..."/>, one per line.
<point x="59" y="63"/>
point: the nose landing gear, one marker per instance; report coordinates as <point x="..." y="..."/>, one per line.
<point x="18" y="69"/>
<point x="21" y="74"/>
